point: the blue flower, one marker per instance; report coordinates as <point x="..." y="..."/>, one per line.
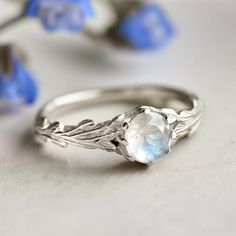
<point x="60" y="14"/>
<point x="18" y="87"/>
<point x="147" y="27"/>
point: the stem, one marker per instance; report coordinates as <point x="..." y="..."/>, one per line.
<point x="11" y="21"/>
<point x="90" y="34"/>
<point x="6" y="59"/>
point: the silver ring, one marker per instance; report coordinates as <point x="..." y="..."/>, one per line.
<point x="143" y="134"/>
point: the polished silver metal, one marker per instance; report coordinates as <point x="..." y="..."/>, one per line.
<point x="182" y="111"/>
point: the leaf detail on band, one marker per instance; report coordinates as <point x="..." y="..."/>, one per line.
<point x="189" y="120"/>
<point x="86" y="134"/>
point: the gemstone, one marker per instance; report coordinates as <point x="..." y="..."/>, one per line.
<point x="148" y="137"/>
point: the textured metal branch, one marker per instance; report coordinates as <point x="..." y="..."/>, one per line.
<point x="86" y="133"/>
<point x="189" y="120"/>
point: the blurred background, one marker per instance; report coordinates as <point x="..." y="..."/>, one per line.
<point x="191" y="192"/>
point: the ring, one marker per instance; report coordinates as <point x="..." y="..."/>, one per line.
<point x="144" y="134"/>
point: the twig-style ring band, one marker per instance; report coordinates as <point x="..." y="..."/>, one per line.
<point x="143" y="134"/>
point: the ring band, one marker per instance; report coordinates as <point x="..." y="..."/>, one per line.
<point x="143" y="134"/>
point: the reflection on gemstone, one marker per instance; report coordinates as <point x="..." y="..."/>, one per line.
<point x="148" y="137"/>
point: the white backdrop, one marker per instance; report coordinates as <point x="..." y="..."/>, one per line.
<point x="55" y="191"/>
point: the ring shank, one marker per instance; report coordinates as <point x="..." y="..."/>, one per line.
<point x="151" y="95"/>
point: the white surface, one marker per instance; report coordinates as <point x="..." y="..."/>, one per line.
<point x="191" y="192"/>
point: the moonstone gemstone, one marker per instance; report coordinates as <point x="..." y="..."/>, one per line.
<point x="148" y="137"/>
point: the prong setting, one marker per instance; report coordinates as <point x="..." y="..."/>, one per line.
<point x="147" y="136"/>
